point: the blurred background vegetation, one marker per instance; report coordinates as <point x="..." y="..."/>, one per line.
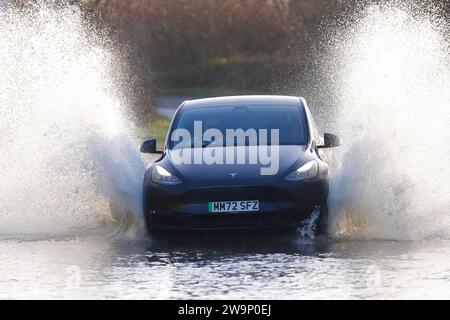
<point x="216" y="47"/>
<point x="235" y="45"/>
<point x="210" y="47"/>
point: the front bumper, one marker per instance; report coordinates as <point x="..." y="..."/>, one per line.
<point x="178" y="221"/>
<point x="281" y="206"/>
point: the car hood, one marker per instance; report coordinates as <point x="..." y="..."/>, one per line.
<point x="289" y="158"/>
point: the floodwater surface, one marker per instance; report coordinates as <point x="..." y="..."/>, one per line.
<point x="111" y="267"/>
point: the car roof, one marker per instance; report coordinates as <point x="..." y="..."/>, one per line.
<point x="243" y="100"/>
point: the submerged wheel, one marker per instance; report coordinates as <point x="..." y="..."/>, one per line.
<point x="322" y="221"/>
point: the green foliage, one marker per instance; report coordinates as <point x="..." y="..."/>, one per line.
<point x="157" y="129"/>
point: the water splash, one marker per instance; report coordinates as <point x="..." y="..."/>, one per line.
<point x="309" y="226"/>
<point x="391" y="70"/>
<point x="65" y="152"/>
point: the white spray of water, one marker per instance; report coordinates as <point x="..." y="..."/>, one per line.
<point x="392" y="74"/>
<point x="64" y="151"/>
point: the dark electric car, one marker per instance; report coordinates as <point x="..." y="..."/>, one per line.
<point x="238" y="163"/>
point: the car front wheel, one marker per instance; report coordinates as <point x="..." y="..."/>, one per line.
<point x="322" y="221"/>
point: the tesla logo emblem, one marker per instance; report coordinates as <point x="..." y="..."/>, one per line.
<point x="233" y="174"/>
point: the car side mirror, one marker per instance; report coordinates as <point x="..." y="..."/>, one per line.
<point x="149" y="146"/>
<point x="330" y="141"/>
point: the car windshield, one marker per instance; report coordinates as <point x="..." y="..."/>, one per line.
<point x="288" y="120"/>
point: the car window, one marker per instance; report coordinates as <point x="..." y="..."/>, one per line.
<point x="317" y="138"/>
<point x="289" y="120"/>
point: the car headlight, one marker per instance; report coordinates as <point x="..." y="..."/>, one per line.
<point x="162" y="176"/>
<point x="308" y="171"/>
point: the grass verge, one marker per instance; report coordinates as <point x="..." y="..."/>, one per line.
<point x="157" y="129"/>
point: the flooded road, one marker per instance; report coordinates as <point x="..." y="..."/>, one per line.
<point x="110" y="267"/>
<point x="69" y="154"/>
